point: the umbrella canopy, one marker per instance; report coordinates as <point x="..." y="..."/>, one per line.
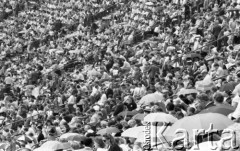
<point x="228" y="87"/>
<point x="187" y="91"/>
<point x="108" y="130"/>
<point x="73" y="137"/>
<point x="160" y="117"/>
<point x="139" y="116"/>
<point x="236" y="89"/>
<point x="127" y="113"/>
<point x="24" y="149"/>
<point x="221" y="109"/>
<point x="205" y="84"/>
<point x="153" y="97"/>
<point x="24" y="138"/>
<point x="193" y="55"/>
<point x="206" y="146"/>
<point x="53" y="145"/>
<point x="156" y="139"/>
<point x="198" y="121"/>
<point x="235" y="128"/>
<point x="236" y="47"/>
<point x="133" y="132"/>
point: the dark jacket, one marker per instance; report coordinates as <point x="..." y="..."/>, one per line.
<point x="131" y="106"/>
<point x="119" y="108"/>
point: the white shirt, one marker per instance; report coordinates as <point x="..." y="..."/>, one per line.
<point x="94" y="91"/>
<point x="137" y="92"/>
<point x="235" y="99"/>
<point x="78" y="76"/>
<point x="102" y="149"/>
<point x="236" y="113"/>
<point x="103" y="99"/>
<point x="8" y="80"/>
<point x="126" y="65"/>
<point x="72" y="100"/>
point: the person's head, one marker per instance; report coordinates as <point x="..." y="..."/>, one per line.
<point x="170" y="107"/>
<point x="218" y="98"/>
<point x="75" y="145"/>
<point x="202" y="100"/>
<point x="98" y="143"/>
<point x="129" y="100"/>
<point x="65" y="128"/>
<point x="179" y="115"/>
<point x="48" y="123"/>
<point x="132" y="123"/>
<point x="52" y="132"/>
<point x="108" y="139"/>
<point x="88" y="142"/>
<point x="216" y="66"/>
<point x="100" y="115"/>
<point x="87" y="127"/>
<point x="190" y="111"/>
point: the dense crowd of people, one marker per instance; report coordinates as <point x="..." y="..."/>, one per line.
<point x="79" y="75"/>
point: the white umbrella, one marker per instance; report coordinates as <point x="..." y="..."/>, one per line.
<point x="133" y="132"/>
<point x="207" y="146"/>
<point x="156" y="137"/>
<point x="187" y="91"/>
<point x="236" y="89"/>
<point x="205" y="84"/>
<point x="23" y="138"/>
<point x="73" y="137"/>
<point x="53" y="145"/>
<point x="153" y="97"/>
<point x="160" y="117"/>
<point x="232" y="128"/>
<point x="237" y="47"/>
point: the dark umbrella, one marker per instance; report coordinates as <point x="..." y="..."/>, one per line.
<point x="73" y="137"/>
<point x="193" y="55"/>
<point x="221" y="109"/>
<point x="228" y="87"/>
<point x="127" y="113"/>
<point x="139" y="116"/>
